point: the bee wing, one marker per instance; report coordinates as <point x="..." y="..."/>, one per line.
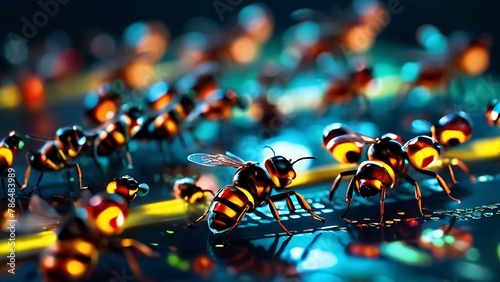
<point x="45" y="212"/>
<point x="215" y="160"/>
<point x="354" y="137"/>
<point x="83" y="199"/>
<point x="420" y="126"/>
<point x="38" y="137"/>
<point x="195" y="113"/>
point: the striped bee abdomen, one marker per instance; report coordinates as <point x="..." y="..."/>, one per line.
<point x="226" y="207"/>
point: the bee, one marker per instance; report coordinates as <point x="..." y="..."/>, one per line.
<point x="167" y="124"/>
<point x="115" y="134"/>
<point x="386" y="167"/>
<point x="451" y="130"/>
<point x="201" y="80"/>
<point x="56" y="154"/>
<point x="9" y="147"/>
<point x="251" y="188"/>
<point x="85" y="235"/>
<point x="240" y="44"/>
<point x="245" y="257"/>
<point x="219" y="106"/>
<point x="455" y="57"/>
<point x="102" y="105"/>
<point x="341" y="142"/>
<point x="44" y="215"/>
<point x="185" y="188"/>
<point x="127" y="187"/>
<point x="493" y="113"/>
<point x="263" y="109"/>
<point x="349" y="90"/>
<point x="316" y="33"/>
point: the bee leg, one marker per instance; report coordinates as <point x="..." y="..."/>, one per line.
<point x="366" y="107"/>
<point x="336" y="183"/>
<point x="302" y="202"/>
<point x="382" y="204"/>
<point x="195" y="139"/>
<point x="418" y="195"/>
<point x="350" y="189"/>
<point x="441" y="182"/>
<point x="37" y="182"/>
<point x="128" y="156"/>
<point x="208" y="191"/>
<point x="463" y="167"/>
<point x="162" y="151"/>
<point x="276" y="216"/>
<point x="26" y="177"/>
<point x="192" y="224"/>
<point x="123" y="247"/>
<point x="450" y="226"/>
<point x="183" y="143"/>
<point x="79" y="173"/>
<point x="238" y="220"/>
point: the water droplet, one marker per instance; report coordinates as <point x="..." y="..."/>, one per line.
<point x="488" y="214"/>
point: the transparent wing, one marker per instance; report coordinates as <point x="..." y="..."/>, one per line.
<point x="216" y="160"/>
<point x="43" y="211"/>
<point x="38" y="137"/>
<point x="354" y="137"/>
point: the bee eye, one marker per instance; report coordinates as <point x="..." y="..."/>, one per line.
<point x="422" y="152"/>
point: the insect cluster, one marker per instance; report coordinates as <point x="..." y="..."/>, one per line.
<point x="167" y="110"/>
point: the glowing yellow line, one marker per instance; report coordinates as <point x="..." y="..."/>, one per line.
<point x="174" y="209"/>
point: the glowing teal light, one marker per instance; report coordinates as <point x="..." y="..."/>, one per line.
<point x="473" y="254"/>
<point x="419" y="96"/>
<point x="318" y="259"/>
<point x="449" y="239"/>
<point x="90" y="100"/>
<point x="426" y="32"/>
<point x="401" y="252"/>
<point x="156" y="91"/>
<point x="307" y="33"/>
<point x="410" y="71"/>
<point x="134" y="33"/>
<point x="250" y="15"/>
<point x="436" y="44"/>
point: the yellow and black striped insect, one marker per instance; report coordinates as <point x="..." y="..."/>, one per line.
<point x="167" y="124"/>
<point x="251" y="188"/>
<point x="451" y="130"/>
<point x="218" y="106"/>
<point x="186" y="188"/>
<point x="493" y="113"/>
<point x="56" y="154"/>
<point x="102" y="105"/>
<point x="85" y="235"/>
<point x="9" y="147"/>
<point x="342" y="143"/>
<point x="127" y="187"/>
<point x="387" y="166"/>
<point x="115" y="134"/>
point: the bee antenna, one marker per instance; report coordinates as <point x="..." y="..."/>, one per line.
<point x="274" y="153"/>
<point x="304" y="158"/>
